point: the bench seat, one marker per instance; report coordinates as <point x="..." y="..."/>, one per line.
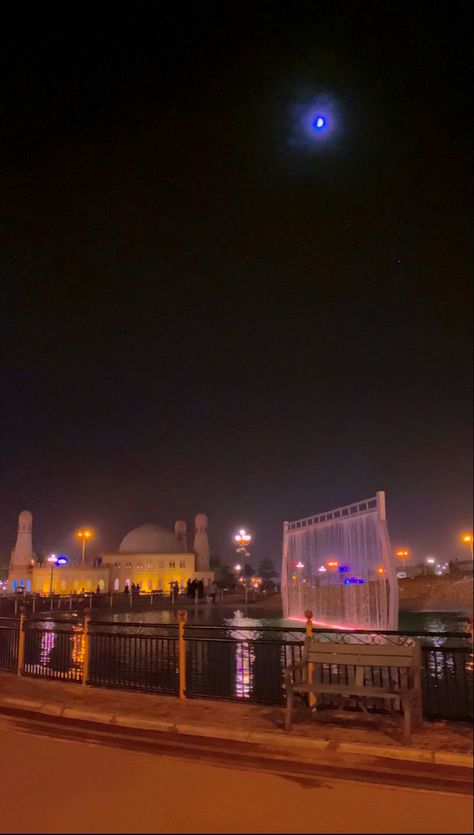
<point x="354" y="690"/>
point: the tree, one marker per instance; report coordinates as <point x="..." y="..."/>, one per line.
<point x="249" y="571"/>
<point x="224" y="577"/>
<point x="267" y="572"/>
<point x="40" y="558"/>
<point x="215" y="562"/>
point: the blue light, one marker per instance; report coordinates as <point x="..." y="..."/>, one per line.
<point x="343" y="568"/>
<point x="347" y="582"/>
<point x="62" y="561"/>
<point x="319" y="123"/>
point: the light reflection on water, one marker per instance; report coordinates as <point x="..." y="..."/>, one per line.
<point x="245" y="661"/>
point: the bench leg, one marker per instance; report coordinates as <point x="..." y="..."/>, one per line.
<point x="289" y="708"/>
<point x="407" y="715"/>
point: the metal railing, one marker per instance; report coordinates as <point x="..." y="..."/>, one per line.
<point x="36" y="603"/>
<point x="135" y="660"/>
<point x="53" y="651"/>
<point x="222" y="662"/>
<point x="8" y="644"/>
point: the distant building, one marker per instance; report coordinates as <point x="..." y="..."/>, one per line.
<point x="149" y="556"/>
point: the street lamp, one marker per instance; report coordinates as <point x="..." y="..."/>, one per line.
<point x="429" y="561"/>
<point x="238" y="569"/>
<point x="403" y="553"/>
<point x="52" y="560"/>
<point x="84" y="535"/>
<point x="242" y="539"/>
<point x="468" y="538"/>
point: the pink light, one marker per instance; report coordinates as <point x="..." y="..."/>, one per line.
<point x="329" y="625"/>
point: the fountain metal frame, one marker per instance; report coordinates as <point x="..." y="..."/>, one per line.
<point x="370" y="598"/>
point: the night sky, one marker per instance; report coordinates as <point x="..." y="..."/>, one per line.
<point x="201" y="310"/>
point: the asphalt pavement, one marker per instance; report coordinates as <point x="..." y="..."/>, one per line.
<point x="57" y="775"/>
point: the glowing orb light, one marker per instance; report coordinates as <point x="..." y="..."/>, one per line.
<point x="314" y="122"/>
<point x="319" y="123"/>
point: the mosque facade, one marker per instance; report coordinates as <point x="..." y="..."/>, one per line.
<point x="150" y="556"/>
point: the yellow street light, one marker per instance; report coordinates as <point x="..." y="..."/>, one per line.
<point x="403" y="553"/>
<point x="84" y="535"/>
<point x="468" y="538"/>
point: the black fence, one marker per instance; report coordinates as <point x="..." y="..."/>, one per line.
<point x="8" y="644"/>
<point x="134" y="660"/>
<point x="54" y="650"/>
<point x="243" y="664"/>
<point x="35" y="604"/>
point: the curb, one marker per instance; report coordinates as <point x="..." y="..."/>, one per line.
<point x="276" y="739"/>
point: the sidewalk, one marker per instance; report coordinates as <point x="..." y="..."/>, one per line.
<point x="449" y="743"/>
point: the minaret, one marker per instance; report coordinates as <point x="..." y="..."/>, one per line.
<point x="22" y="553"/>
<point x="201" y="543"/>
<point x="181" y="532"/>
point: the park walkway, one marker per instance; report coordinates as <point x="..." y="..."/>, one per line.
<point x="448" y="742"/>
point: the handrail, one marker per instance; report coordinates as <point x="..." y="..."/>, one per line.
<point x="190" y="627"/>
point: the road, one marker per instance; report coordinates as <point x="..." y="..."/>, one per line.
<point x="58" y="777"/>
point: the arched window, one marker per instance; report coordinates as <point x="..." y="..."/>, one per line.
<point x="116" y="584"/>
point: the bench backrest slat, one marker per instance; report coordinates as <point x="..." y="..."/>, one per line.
<point x="367" y="655"/>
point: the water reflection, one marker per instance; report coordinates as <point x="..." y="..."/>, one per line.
<point x="233" y="656"/>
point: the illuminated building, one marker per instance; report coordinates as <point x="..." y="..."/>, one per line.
<point x="150" y="556"/>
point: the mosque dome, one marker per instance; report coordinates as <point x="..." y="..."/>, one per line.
<point x="150" y="539"/>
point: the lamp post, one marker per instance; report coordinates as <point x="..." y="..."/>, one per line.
<point x="468" y="538"/>
<point x="429" y="561"/>
<point x="237" y="569"/>
<point x="84" y="535"/>
<point x="242" y="540"/>
<point x="52" y="560"/>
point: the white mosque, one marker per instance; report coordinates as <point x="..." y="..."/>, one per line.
<point x="150" y="556"/>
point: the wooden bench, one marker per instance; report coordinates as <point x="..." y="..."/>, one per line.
<point x="405" y="687"/>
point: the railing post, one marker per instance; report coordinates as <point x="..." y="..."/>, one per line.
<point x="33" y="608"/>
<point x="309" y="634"/>
<point x="52" y="601"/>
<point x="110" y="599"/>
<point x="182" y="617"/>
<point x="418" y="712"/>
<point x="85" y="663"/>
<point x="21" y="640"/>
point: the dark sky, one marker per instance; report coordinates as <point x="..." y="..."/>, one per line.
<point x="199" y="313"/>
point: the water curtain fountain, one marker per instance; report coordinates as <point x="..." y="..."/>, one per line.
<point x="339" y="565"/>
